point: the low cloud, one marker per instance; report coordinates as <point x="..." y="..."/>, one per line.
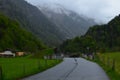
<point x="100" y="10"/>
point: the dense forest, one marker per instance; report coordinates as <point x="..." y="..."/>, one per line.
<point x="14" y="37"/>
<point x="84" y="44"/>
<point x="107" y="36"/>
<point x="98" y="38"/>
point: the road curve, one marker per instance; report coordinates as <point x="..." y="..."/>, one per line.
<point x="72" y="69"/>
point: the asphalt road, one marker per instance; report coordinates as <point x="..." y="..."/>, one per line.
<point x="72" y="69"/>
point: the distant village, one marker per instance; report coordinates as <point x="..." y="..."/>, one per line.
<point x="11" y="53"/>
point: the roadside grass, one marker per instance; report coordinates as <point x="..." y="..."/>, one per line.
<point x="110" y="62"/>
<point x="19" y="67"/>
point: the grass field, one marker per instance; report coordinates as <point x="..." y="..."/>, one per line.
<point x="109" y="60"/>
<point x="16" y="68"/>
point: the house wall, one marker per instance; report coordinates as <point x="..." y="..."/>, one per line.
<point x="20" y="53"/>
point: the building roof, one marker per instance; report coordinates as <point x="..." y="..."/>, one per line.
<point x="7" y="53"/>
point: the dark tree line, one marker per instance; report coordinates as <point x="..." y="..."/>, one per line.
<point x="85" y="45"/>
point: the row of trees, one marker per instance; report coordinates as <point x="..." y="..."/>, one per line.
<point x="82" y="44"/>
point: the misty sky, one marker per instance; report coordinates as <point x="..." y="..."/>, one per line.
<point x="100" y="10"/>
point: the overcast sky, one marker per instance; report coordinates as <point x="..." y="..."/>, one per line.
<point x="100" y="10"/>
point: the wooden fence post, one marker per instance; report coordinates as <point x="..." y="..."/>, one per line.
<point x="39" y="64"/>
<point x="97" y="57"/>
<point x="103" y="60"/>
<point x="108" y="61"/>
<point x="93" y="57"/>
<point x="113" y="64"/>
<point x="46" y="62"/>
<point x="1" y="73"/>
<point x="24" y="71"/>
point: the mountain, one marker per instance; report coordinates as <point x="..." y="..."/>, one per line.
<point x="107" y="36"/>
<point x="69" y="22"/>
<point x="99" y="38"/>
<point x="32" y="19"/>
<point x="12" y="36"/>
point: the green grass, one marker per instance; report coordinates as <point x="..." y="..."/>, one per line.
<point x="106" y="61"/>
<point x="16" y="68"/>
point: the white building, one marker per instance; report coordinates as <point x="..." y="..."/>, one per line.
<point x="7" y="54"/>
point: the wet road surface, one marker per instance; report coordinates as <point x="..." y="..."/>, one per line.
<point x="72" y="69"/>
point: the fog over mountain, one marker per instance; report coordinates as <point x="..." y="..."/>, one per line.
<point x="69" y="22"/>
<point x="100" y="10"/>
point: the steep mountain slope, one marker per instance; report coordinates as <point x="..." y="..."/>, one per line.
<point x="107" y="36"/>
<point x="98" y="38"/>
<point x="12" y="36"/>
<point x="69" y="22"/>
<point x="32" y="19"/>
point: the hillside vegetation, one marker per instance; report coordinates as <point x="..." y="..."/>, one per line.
<point x="32" y="19"/>
<point x="12" y="36"/>
<point x="79" y="44"/>
<point x="99" y="38"/>
<point x="107" y="36"/>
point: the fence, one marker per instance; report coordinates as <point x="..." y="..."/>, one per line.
<point x="1" y="74"/>
<point x="106" y="61"/>
<point x="23" y="69"/>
